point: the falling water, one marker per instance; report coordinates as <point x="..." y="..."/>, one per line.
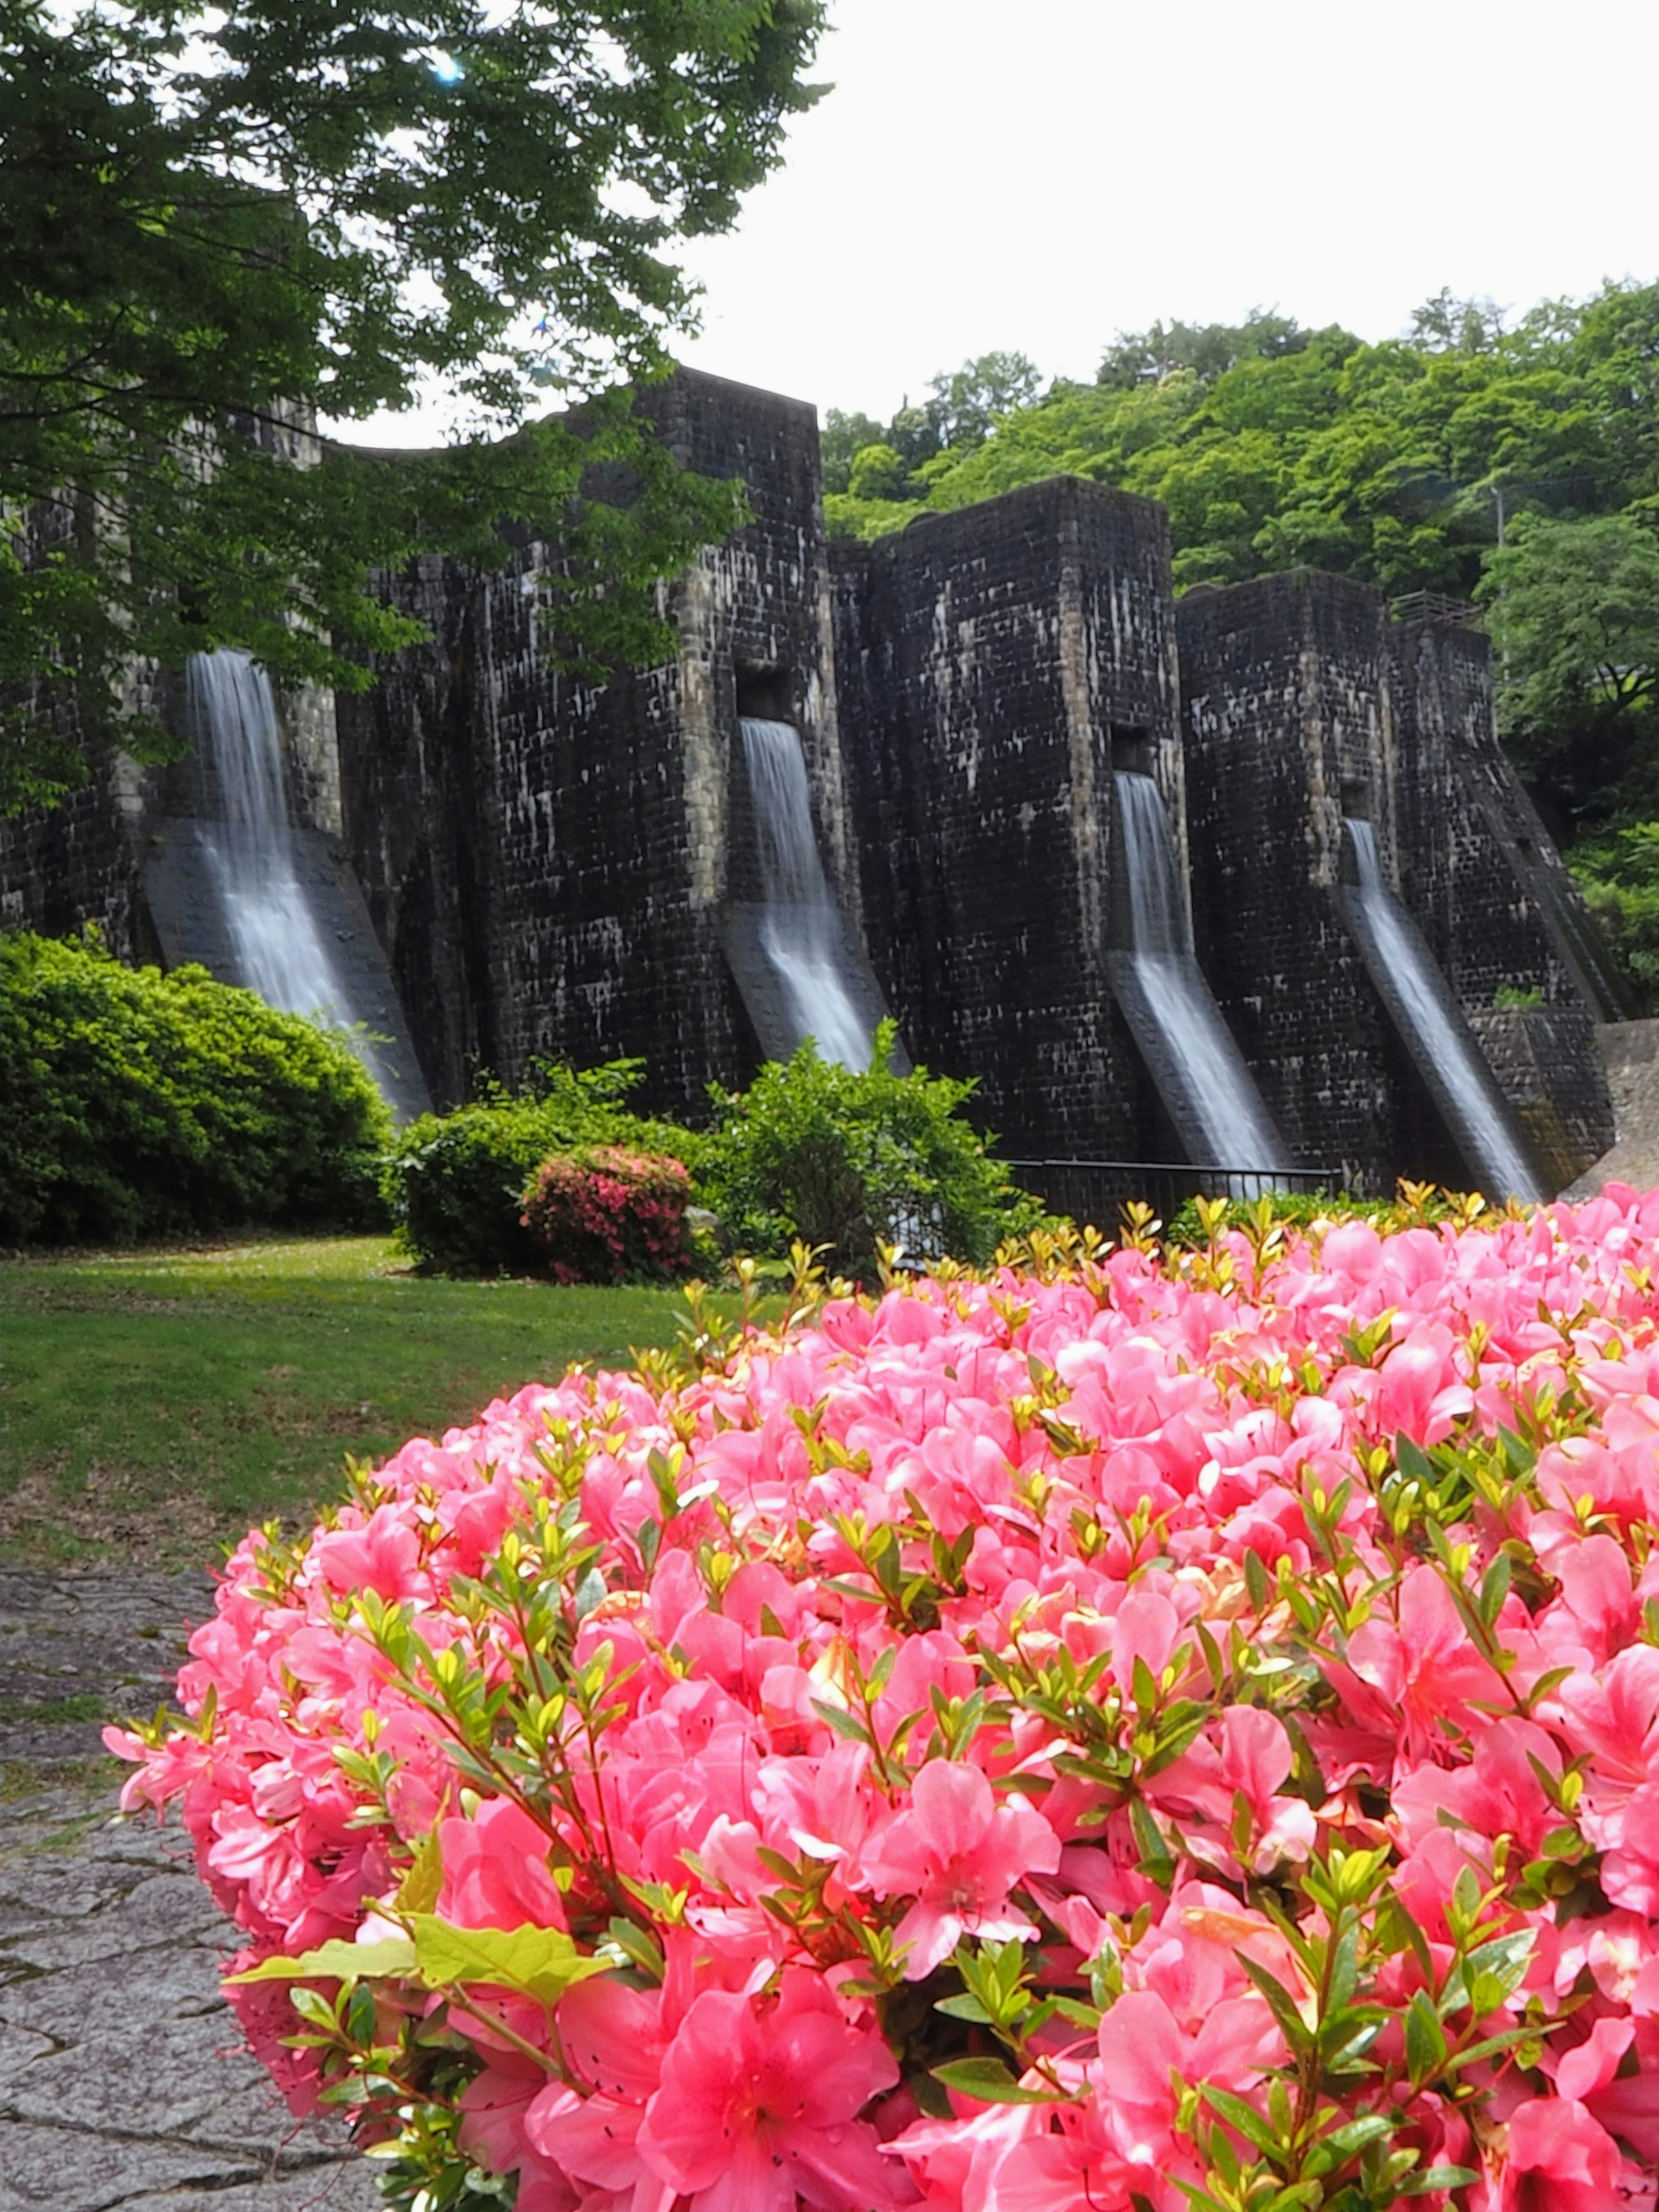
<point x="277" y="947"/>
<point x="1207" y="1084"/>
<point x="1417" y="993"/>
<point x="800" y="932"/>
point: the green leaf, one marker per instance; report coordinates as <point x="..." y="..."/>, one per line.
<point x="989" y="2080"/>
<point x="419" y="1890"/>
<point x="1155" y="1863"/>
<point x="1436" y="2177"/>
<point x="1241" y="2116"/>
<point x="963" y="2008"/>
<point x="1426" y="2039"/>
<point x="1282" y="2004"/>
<point x="539" y="1962"/>
<point x="339" y="1961"/>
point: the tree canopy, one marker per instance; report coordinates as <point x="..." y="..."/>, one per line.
<point x="1271" y="445"/>
<point x="218" y="221"/>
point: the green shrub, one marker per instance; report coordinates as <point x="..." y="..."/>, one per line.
<point x="141" y="1104"/>
<point x="456" y="1182"/>
<point x="813" y="1151"/>
<point x="1417" y="1206"/>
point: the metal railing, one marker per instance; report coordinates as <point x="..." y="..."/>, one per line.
<point x="1096" y="1191"/>
<point x="1435" y="607"/>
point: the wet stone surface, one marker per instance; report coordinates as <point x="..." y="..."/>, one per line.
<point x="123" y="2079"/>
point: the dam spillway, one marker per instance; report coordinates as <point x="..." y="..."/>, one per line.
<point x="528" y="864"/>
<point x="1200" y="1073"/>
<point x="1439" y="1039"/>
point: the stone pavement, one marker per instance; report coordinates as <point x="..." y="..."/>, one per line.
<point x="123" y="2081"/>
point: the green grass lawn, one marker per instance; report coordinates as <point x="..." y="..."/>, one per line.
<point x="157" y="1403"/>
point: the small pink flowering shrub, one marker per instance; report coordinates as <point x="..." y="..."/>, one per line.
<point x="1147" y="1732"/>
<point x="605" y="1215"/>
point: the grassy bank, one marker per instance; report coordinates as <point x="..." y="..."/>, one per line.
<point x="157" y="1403"/>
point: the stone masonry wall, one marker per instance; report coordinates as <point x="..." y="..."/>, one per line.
<point x="1285" y="704"/>
<point x="549" y="860"/>
<point x="1479" y="870"/>
<point x="985" y="659"/>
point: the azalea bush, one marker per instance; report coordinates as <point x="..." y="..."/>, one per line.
<point x="608" y="1215"/>
<point x="456" y="1182"/>
<point x="1141" y="1729"/>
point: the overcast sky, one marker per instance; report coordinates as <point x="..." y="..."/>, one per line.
<point x="1039" y="176"/>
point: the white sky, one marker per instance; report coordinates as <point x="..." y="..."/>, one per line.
<point x="1040" y="176"/>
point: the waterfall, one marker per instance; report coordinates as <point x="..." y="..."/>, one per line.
<point x="1210" y="1093"/>
<point x="1417" y="995"/>
<point x="800" y="936"/>
<point x="275" y="938"/>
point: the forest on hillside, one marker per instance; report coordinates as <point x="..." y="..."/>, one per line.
<point x="1514" y="466"/>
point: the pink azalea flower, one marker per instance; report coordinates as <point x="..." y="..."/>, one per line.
<point x="957" y="1853"/>
<point x="759" y="2104"/>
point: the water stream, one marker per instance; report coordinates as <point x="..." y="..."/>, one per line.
<point x="1201" y="1072"/>
<point x="800" y="934"/>
<point x="1418" y="996"/>
<point x="278" y="948"/>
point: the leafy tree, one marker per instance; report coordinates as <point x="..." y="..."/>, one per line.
<point x="812" y="1150"/>
<point x="963" y="407"/>
<point x="965" y="402"/>
<point x="1274" y="445"/>
<point x="878" y="472"/>
<point x="1208" y="350"/>
<point x="841" y="439"/>
<point x="1573" y="608"/>
<point x="216" y="221"/>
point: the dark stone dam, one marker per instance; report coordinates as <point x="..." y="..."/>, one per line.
<point x="1243" y="884"/>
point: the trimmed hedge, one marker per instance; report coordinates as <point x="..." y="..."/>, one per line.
<point x="139" y="1104"/>
<point x="457" y="1182"/>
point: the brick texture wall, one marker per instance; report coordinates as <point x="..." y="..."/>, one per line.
<point x="985" y="659"/>
<point x="549" y="861"/>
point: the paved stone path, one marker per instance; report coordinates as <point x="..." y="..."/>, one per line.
<point x="123" y="2081"/>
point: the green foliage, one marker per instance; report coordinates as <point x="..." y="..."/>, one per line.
<point x="1273" y="445"/>
<point x="455" y="1182"/>
<point x="812" y="1151"/>
<point x="959" y="413"/>
<point x="1620" y="875"/>
<point x="878" y="473"/>
<point x="218" y="221"/>
<point x="1416" y="1205"/>
<point x="1573" y="608"/>
<point x="1208" y="350"/>
<point x="137" y="1103"/>
<point x="1508" y="996"/>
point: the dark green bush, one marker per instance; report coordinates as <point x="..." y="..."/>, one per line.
<point x="813" y="1151"/>
<point x="141" y="1104"/>
<point x="456" y="1182"/>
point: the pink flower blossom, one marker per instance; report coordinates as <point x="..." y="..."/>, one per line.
<point x="760" y="2105"/>
<point x="958" y="1853"/>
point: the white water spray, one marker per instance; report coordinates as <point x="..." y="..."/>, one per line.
<point x="1192" y="1042"/>
<point x="278" y="949"/>
<point x="1405" y="973"/>
<point x="800" y="935"/>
